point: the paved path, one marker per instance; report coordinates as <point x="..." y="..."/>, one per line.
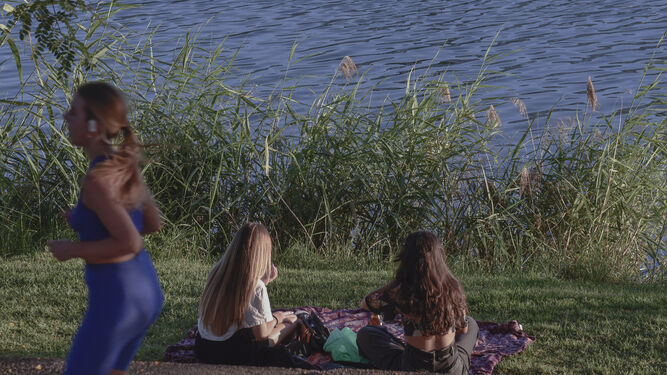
<point x="24" y="366"/>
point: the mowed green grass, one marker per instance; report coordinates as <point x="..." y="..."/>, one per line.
<point x="580" y="327"/>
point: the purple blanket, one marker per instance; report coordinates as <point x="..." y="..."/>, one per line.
<point x="495" y="340"/>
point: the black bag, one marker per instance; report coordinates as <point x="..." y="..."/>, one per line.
<point x="312" y="334"/>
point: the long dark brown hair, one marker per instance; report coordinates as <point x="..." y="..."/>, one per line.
<point x="429" y="293"/>
<point x="106" y="105"/>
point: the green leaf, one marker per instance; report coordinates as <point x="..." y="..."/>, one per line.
<point x="14" y="102"/>
<point x="99" y="55"/>
<point x="8" y="8"/>
<point x="17" y="58"/>
<point x="291" y="52"/>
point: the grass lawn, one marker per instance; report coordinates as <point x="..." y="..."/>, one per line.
<point x="580" y="327"/>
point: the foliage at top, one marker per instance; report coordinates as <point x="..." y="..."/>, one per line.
<point x="48" y="26"/>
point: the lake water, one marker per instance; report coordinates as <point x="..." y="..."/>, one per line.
<point x="557" y="45"/>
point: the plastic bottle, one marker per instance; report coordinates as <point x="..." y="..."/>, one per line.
<point x="375" y="320"/>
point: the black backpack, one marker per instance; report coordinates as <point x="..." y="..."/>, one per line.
<point x="311" y="333"/>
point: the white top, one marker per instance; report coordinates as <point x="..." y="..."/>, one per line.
<point x="257" y="312"/>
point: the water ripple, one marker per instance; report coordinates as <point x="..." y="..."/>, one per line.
<point x="552" y="46"/>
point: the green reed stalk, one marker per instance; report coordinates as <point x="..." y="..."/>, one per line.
<point x="342" y="173"/>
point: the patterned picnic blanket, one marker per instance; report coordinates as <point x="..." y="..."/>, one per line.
<point x="494" y="342"/>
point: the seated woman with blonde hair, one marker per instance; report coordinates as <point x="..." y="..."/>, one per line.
<point x="236" y="326"/>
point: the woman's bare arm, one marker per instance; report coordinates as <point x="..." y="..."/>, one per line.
<point x="276" y="330"/>
<point x="463" y="330"/>
<point x="124" y="239"/>
<point x="389" y="285"/>
<point x="152" y="219"/>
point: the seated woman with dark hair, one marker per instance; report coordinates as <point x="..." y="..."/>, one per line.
<point x="438" y="333"/>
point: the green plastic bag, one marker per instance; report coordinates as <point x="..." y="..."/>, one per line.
<point x="342" y="344"/>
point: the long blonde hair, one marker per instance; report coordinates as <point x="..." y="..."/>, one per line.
<point x="106" y="105"/>
<point x="232" y="281"/>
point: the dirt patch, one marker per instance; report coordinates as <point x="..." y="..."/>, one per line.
<point x="50" y="366"/>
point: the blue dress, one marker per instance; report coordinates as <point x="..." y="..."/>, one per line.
<point x="124" y="299"/>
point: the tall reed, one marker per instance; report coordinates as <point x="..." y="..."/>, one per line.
<point x="335" y="174"/>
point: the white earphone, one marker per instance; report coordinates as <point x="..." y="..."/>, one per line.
<point x="92" y="126"/>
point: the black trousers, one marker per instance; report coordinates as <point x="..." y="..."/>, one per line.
<point x="243" y="349"/>
<point x="387" y="352"/>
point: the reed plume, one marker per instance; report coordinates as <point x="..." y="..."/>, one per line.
<point x="522" y="107"/>
<point x="592" y="98"/>
<point x="347" y="67"/>
<point x="444" y="94"/>
<point x="492" y="117"/>
<point x="524" y="185"/>
<point x="530" y="180"/>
